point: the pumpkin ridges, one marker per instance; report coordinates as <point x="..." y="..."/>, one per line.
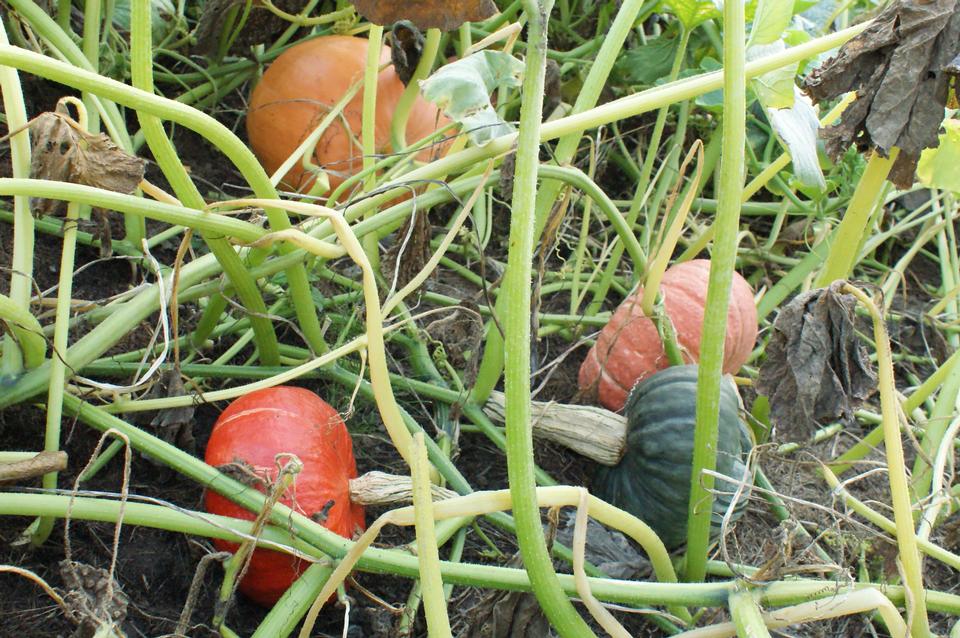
<point x="629" y="349"/>
<point x="653" y="479"/>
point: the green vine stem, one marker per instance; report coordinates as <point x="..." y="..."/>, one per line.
<point x="431" y="583"/>
<point x="41" y="530"/>
<point x="26" y="329"/>
<point x="492" y="359"/>
<point x="369" y="133"/>
<point x="398" y="127"/>
<point x="896" y="471"/>
<point x="21" y="266"/>
<point x="516" y="295"/>
<point x="141" y="67"/>
<point x="853" y="226"/>
<point x="718" y="292"/>
<point x="746" y="615"/>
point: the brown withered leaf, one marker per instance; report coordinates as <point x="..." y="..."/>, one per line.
<point x="173" y="425"/>
<point x="816" y="370"/>
<point x="445" y="15"/>
<point x="406" y="49"/>
<point x="508" y="614"/>
<point x="899" y="69"/>
<point x="64" y="152"/>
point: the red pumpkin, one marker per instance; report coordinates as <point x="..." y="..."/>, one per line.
<point x="303" y="84"/>
<point x="628" y="348"/>
<point x="252" y="431"/>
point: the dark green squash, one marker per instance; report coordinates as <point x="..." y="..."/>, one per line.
<point x="652" y="481"/>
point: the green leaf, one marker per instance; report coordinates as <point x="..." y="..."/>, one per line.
<point x="938" y="166"/>
<point x="462" y="90"/>
<point x="161" y="21"/>
<point x="648" y="63"/>
<point x="712" y="101"/>
<point x="692" y="13"/>
<point x="797" y="128"/>
<point x="774" y="89"/>
<point x="770" y="21"/>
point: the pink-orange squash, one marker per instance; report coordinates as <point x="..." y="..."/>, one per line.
<point x="629" y="348"/>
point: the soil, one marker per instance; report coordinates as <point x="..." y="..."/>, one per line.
<point x="155" y="569"/>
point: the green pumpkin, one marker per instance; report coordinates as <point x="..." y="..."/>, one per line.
<point x="652" y="481"/>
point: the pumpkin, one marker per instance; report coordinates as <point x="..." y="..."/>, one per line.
<point x="248" y="435"/>
<point x="652" y="481"/>
<point x="628" y="348"/>
<point x="300" y="88"/>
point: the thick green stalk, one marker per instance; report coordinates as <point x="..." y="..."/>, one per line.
<point x="746" y="615"/>
<point x="491" y="363"/>
<point x="199" y="220"/>
<point x="369" y="133"/>
<point x="26" y="329"/>
<point x="850" y="232"/>
<point x="718" y="292"/>
<point x="92" y="20"/>
<point x="141" y="66"/>
<point x="58" y="371"/>
<point x="516" y="294"/>
<point x="398" y="127"/>
<point x="21" y="266"/>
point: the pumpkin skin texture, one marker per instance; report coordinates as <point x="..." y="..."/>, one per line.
<point x="252" y="431"/>
<point x="628" y="348"/>
<point x="652" y="481"/>
<point x="303" y="84"/>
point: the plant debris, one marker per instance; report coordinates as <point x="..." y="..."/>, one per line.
<point x="173" y="425"/>
<point x="899" y="68"/>
<point x="406" y="49"/>
<point x="64" y="152"/>
<point x="93" y="599"/>
<point x="508" y="614"/>
<point x="816" y="370"/>
<point x="445" y="15"/>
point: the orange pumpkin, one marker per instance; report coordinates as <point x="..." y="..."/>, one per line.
<point x="250" y="433"/>
<point x="629" y="349"/>
<point x="299" y="89"/>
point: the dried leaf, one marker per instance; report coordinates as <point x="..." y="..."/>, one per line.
<point x="93" y="600"/>
<point x="173" y="425"/>
<point x="507" y="614"/>
<point x="898" y="67"/>
<point x="608" y="549"/>
<point x="816" y="370"/>
<point x="445" y="15"/>
<point x="406" y="48"/>
<point x="64" y="152"/>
